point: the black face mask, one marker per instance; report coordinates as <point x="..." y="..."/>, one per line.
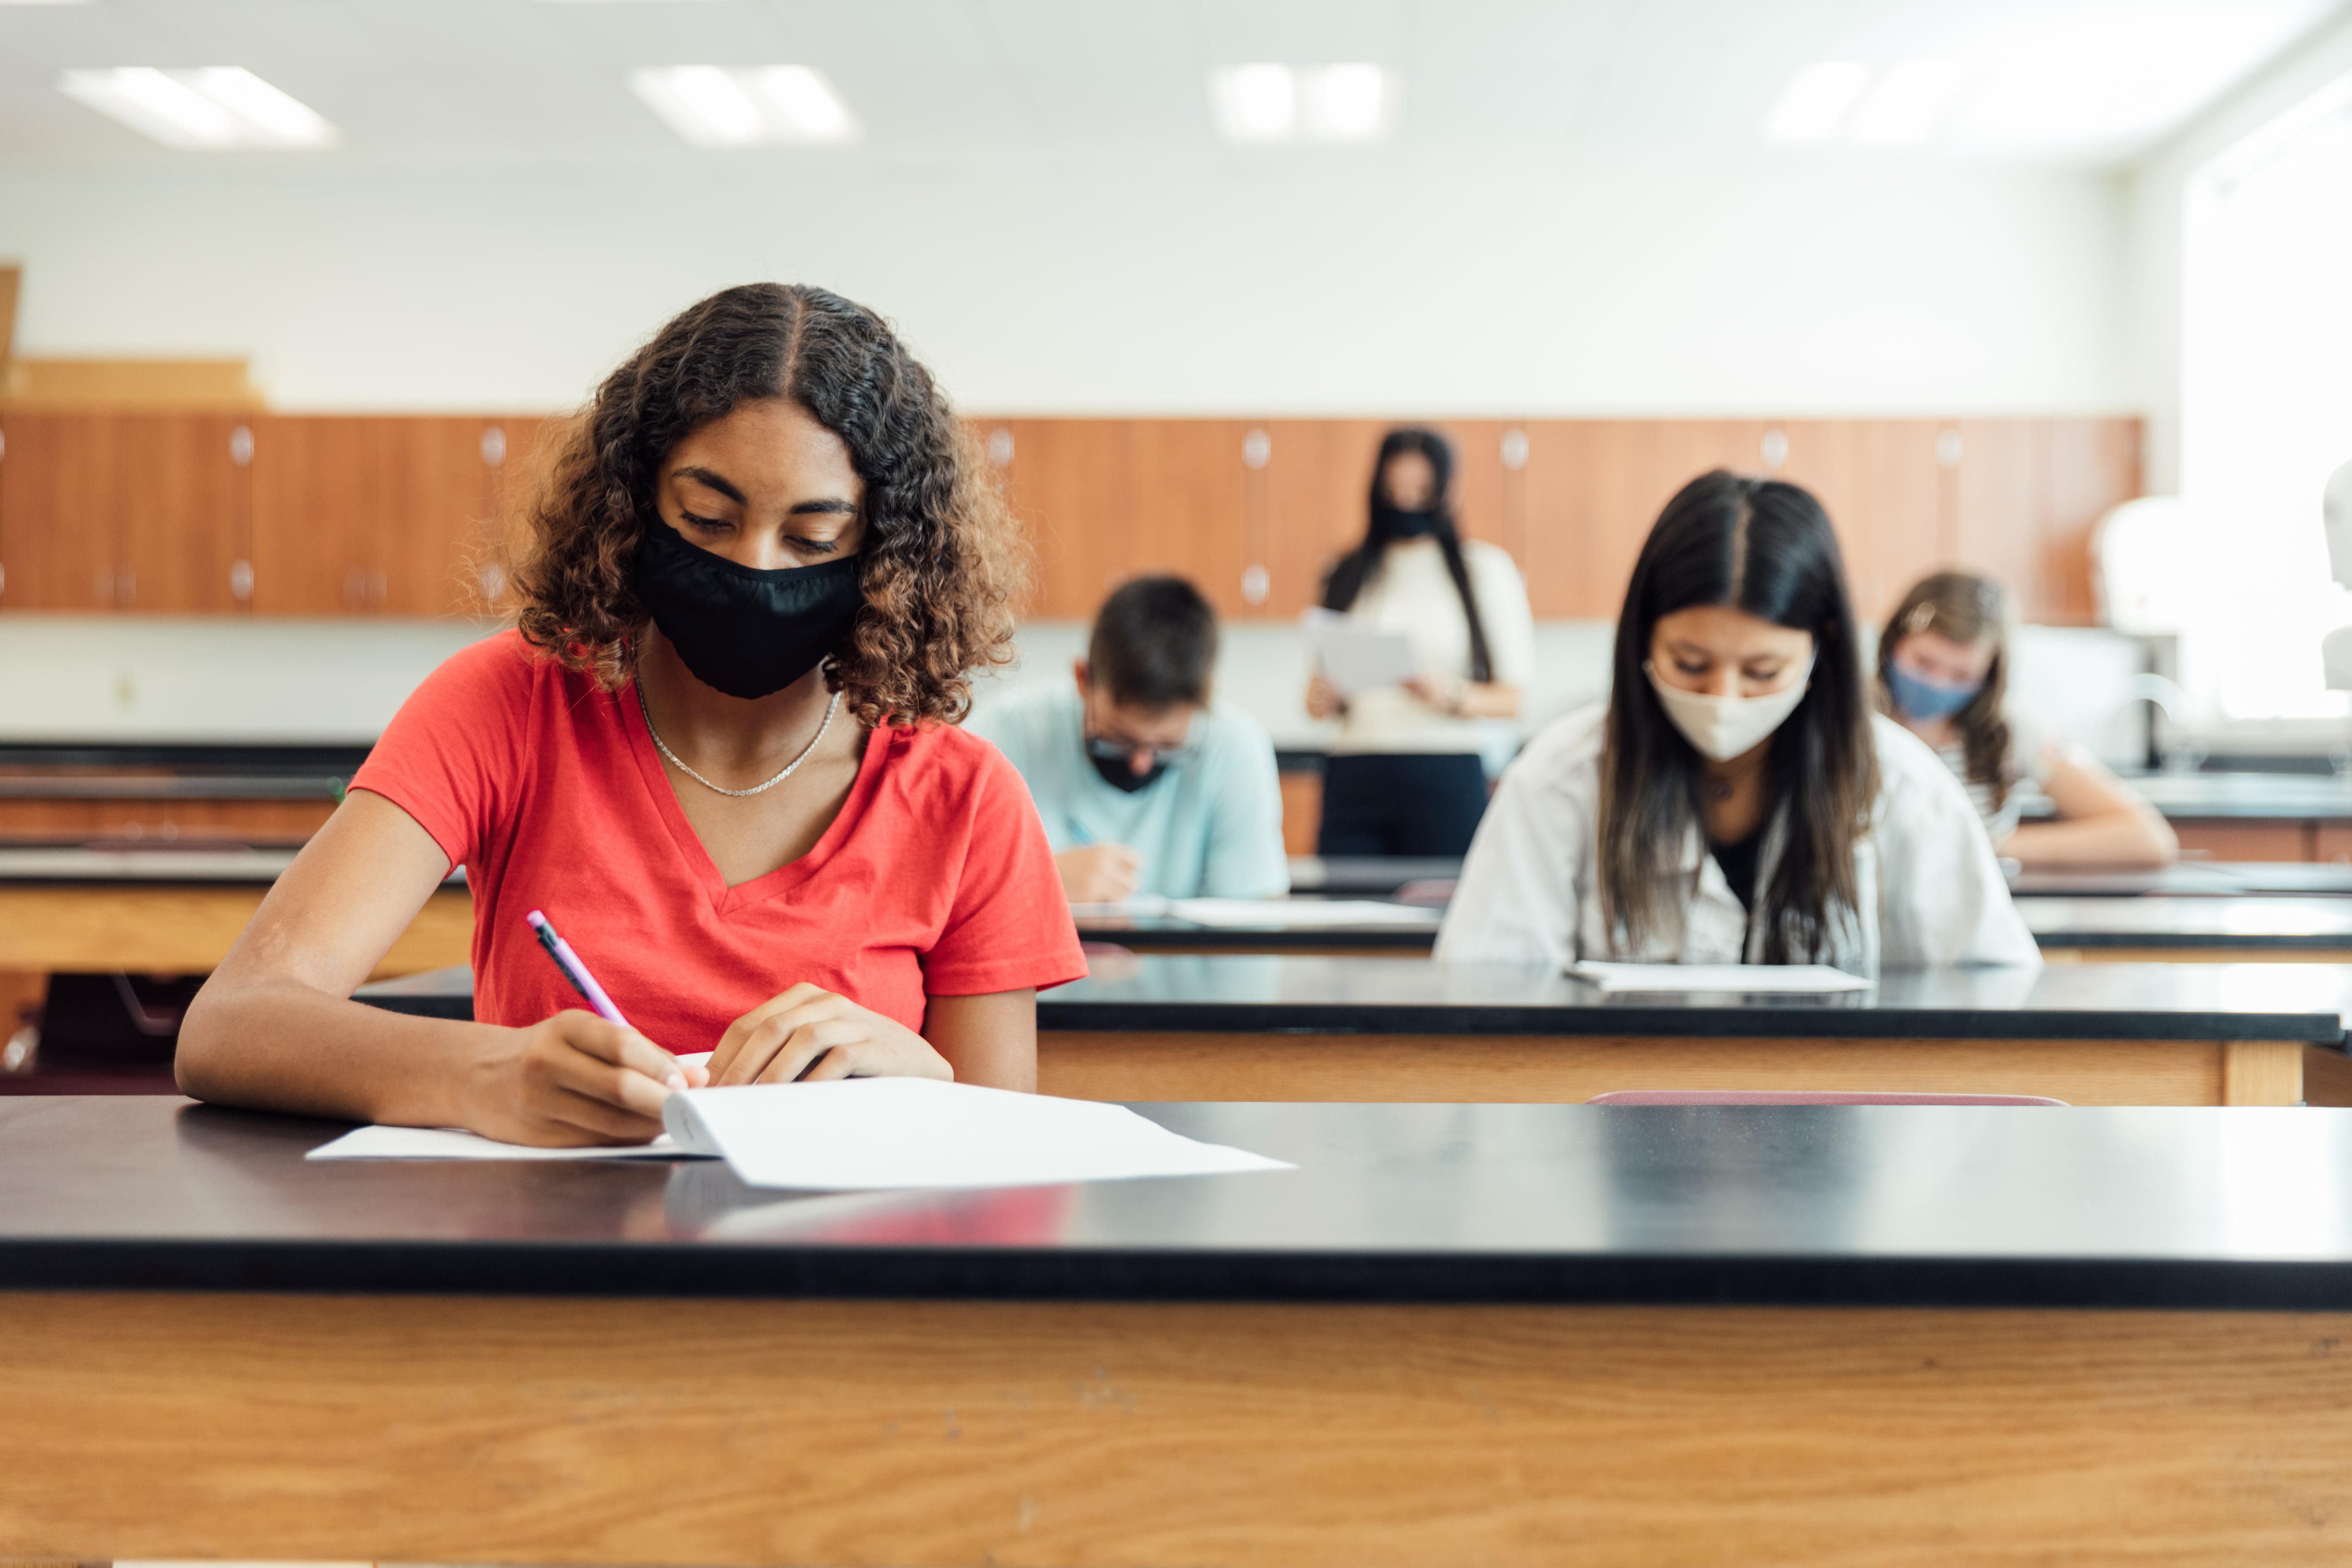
<point x="742" y="631"/>
<point x="1120" y="773"/>
<point x="1400" y="523"/>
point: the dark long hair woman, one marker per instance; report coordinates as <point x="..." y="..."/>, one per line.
<point x="718" y="753"/>
<point x="1734" y="800"/>
<point x="1405" y="775"/>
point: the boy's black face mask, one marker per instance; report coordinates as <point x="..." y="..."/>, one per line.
<point x="741" y="630"/>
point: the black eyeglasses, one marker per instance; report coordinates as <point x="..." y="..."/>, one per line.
<point x="1111" y="750"/>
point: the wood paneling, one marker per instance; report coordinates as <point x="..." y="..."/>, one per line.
<point x="2249" y="840"/>
<point x="395" y="515"/>
<point x="1563" y="1069"/>
<point x="1108" y="499"/>
<point x="1156" y="1434"/>
<point x="370" y="516"/>
<point x="186" y="930"/>
<point x="167" y="819"/>
<point x="129" y="511"/>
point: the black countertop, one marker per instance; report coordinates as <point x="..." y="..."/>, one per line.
<point x="1254" y="994"/>
<point x="1263" y="993"/>
<point x="2254" y="924"/>
<point x="2309" y="797"/>
<point x="2190" y="878"/>
<point x="2165" y="1208"/>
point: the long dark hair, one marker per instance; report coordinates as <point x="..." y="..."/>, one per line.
<point x="943" y="562"/>
<point x="1353" y="570"/>
<point x="1967" y="609"/>
<point x="1765" y="547"/>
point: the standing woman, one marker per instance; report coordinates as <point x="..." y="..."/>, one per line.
<point x="1404" y="776"/>
<point x="1943" y="673"/>
<point x="717" y="751"/>
<point x="1735" y="800"/>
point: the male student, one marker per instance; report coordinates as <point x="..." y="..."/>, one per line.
<point x="1147" y="785"/>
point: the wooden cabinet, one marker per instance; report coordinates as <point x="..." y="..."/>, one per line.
<point x="123" y="511"/>
<point x="422" y="516"/>
<point x="1106" y="500"/>
<point x="372" y="516"/>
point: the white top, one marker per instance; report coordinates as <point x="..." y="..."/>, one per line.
<point x="1931" y="893"/>
<point x="1209" y="826"/>
<point x="1411" y="594"/>
<point x="2032" y="758"/>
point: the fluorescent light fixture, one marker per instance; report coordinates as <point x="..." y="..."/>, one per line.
<point x="725" y="106"/>
<point x="1814" y="105"/>
<point x="215" y="106"/>
<point x="1910" y="102"/>
<point x="1348" y="102"/>
<point x="1256" y="102"/>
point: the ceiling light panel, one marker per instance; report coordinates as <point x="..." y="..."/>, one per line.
<point x="1351" y="101"/>
<point x="1910" y="102"/>
<point x="209" y="107"/>
<point x="1814" y="107"/>
<point x="745" y="106"/>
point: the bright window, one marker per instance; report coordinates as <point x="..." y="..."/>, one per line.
<point x="2267" y="417"/>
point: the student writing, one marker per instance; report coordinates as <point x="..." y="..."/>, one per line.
<point x="1144" y="782"/>
<point x="1943" y="673"/>
<point x="1404" y="776"/>
<point x="717" y="751"/>
<point x="1735" y="800"/>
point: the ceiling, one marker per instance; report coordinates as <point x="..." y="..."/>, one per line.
<point x="2077" y="82"/>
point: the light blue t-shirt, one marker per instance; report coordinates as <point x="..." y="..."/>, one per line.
<point x="1208" y="826"/>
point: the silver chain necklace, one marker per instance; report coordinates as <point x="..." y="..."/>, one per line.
<point x="789" y="768"/>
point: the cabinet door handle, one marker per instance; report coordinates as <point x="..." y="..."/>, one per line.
<point x="240" y="579"/>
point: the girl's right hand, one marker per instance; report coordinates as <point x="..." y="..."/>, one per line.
<point x="574" y="1080"/>
<point x="1323" y="699"/>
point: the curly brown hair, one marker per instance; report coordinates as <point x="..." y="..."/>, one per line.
<point x="944" y="564"/>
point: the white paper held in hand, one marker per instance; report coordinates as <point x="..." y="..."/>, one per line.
<point x="1354" y="659"/>
<point x="1751" y="979"/>
<point x="871" y="1132"/>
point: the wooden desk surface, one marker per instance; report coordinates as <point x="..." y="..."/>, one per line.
<point x="1514" y="1335"/>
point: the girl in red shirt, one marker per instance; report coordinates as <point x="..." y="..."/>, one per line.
<point x="717" y="749"/>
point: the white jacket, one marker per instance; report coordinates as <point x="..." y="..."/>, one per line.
<point x="1931" y="893"/>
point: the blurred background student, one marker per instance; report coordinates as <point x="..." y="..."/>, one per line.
<point x="1148" y="786"/>
<point x="1943" y="673"/>
<point x="1735" y="800"/>
<point x="1405" y="775"/>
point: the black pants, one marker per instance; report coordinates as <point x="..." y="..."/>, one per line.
<point x="1375" y="803"/>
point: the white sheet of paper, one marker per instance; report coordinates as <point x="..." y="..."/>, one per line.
<point x="1354" y="659"/>
<point x="1236" y="914"/>
<point x="1803" y="979"/>
<point x="457" y="1143"/>
<point x="1142" y="904"/>
<point x="875" y="1132"/>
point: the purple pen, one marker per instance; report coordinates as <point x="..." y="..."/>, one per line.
<point x="575" y="971"/>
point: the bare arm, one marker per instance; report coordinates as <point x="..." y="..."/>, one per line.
<point x="1468" y="699"/>
<point x="990" y="1040"/>
<point x="2100" y="823"/>
<point x="275" y="1026"/>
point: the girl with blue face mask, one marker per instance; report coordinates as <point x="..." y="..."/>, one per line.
<point x="1943" y="674"/>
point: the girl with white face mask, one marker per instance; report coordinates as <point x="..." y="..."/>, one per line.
<point x="1735" y="800"/>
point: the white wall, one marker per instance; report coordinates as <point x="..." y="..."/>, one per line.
<point x="1776" y="284"/>
<point x="2156" y="203"/>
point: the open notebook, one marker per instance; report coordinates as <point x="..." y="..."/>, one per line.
<point x="868" y="1132"/>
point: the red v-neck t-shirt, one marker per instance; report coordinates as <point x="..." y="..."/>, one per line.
<point x="935" y="880"/>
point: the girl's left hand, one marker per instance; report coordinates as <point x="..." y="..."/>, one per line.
<point x="809" y="1034"/>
